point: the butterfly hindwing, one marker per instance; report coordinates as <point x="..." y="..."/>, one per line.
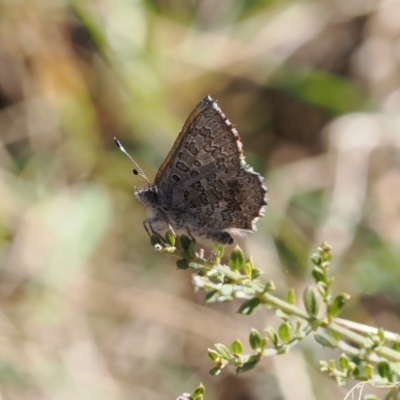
<point x="223" y="200"/>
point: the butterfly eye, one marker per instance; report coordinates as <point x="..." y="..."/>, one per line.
<point x="150" y="196"/>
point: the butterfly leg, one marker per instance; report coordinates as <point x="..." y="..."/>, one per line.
<point x="147" y="224"/>
<point x="190" y="235"/>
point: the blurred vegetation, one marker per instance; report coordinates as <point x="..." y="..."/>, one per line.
<point x="88" y="309"/>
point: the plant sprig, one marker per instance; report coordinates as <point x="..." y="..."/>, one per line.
<point x="365" y="355"/>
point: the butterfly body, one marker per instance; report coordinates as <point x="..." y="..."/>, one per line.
<point x="204" y="187"/>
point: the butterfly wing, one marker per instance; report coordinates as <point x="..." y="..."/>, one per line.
<point x="205" y="184"/>
<point x="225" y="200"/>
<point x="207" y="142"/>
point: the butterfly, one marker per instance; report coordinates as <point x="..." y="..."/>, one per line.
<point x="204" y="188"/>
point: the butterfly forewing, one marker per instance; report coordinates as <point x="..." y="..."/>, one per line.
<point x="206" y="143"/>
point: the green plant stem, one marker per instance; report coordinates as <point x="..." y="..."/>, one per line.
<point x="383" y="351"/>
<point x="361" y="328"/>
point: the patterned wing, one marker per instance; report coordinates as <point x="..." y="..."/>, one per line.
<point x="225" y="200"/>
<point x="206" y="143"/>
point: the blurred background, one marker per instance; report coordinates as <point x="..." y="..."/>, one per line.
<point x="88" y="310"/>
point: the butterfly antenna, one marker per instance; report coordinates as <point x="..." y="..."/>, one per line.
<point x="137" y="170"/>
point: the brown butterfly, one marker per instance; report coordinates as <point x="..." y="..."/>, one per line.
<point x="204" y="187"/>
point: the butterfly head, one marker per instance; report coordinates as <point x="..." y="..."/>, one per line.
<point x="147" y="196"/>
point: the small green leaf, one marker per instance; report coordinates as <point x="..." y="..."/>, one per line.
<point x="318" y="275"/>
<point x="155" y="240"/>
<point x="291" y="296"/>
<point x="316" y="259"/>
<point x="249" y="260"/>
<point x="263" y="344"/>
<point x="184" y="242"/>
<point x="249" y="306"/>
<point x="325" y="251"/>
<point x="237" y="347"/>
<point x="336" y="336"/>
<point x="273" y="335"/>
<point x="381" y="335"/>
<point x="213" y="355"/>
<point x="369" y="371"/>
<point x="219" y="249"/>
<point x="322" y="288"/>
<point x="255" y="339"/>
<point x="396" y="346"/>
<point x="325" y="265"/>
<point x="383" y="368"/>
<point x="182" y="264"/>
<point x="255" y="273"/>
<point x="199" y="391"/>
<point x="237" y="259"/>
<point x="352" y="366"/>
<point x="223" y="351"/>
<point x="285" y="332"/>
<point x="214" y="371"/>
<point x="343" y="362"/>
<point x="356" y="373"/>
<point x="247" y="270"/>
<point x="337" y="305"/>
<point x="247" y="366"/>
<point x="170" y="238"/>
<point x="269" y="286"/>
<point x="282" y="349"/>
<point x="324" y="341"/>
<point x="311" y="301"/>
<point x="211" y="297"/>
